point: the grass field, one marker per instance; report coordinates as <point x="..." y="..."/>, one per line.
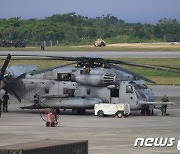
<point x="109" y="47"/>
<point x="160" y="77"/>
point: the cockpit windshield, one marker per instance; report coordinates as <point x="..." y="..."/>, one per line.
<point x="140" y="86"/>
<point x="139" y="90"/>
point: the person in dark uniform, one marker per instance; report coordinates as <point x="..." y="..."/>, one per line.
<point x="1" y="102"/>
<point x="83" y="71"/>
<point x="165" y="99"/>
<point x="42" y="47"/>
<point x="5" y="102"/>
<point x="36" y="99"/>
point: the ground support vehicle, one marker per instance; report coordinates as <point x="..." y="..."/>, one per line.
<point x="105" y="109"/>
<point x="51" y="119"/>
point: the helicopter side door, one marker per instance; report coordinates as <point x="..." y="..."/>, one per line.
<point x="114" y="96"/>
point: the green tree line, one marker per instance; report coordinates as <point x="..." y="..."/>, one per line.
<point x="76" y="29"/>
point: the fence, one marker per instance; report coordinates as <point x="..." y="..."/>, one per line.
<point x="172" y="38"/>
<point x="46" y="43"/>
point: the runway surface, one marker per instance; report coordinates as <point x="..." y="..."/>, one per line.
<point x="107" y="135"/>
<point x="106" y="54"/>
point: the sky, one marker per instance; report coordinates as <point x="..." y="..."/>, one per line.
<point x="144" y="11"/>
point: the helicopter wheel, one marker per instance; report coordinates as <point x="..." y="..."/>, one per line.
<point x="100" y="113"/>
<point x="52" y="124"/>
<point x="143" y="112"/>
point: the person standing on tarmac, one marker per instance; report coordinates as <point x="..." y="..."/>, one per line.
<point x="0" y="106"/>
<point x="5" y="102"/>
<point x="165" y="99"/>
<point x="42" y="47"/>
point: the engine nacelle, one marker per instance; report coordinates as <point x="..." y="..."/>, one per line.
<point x="96" y="79"/>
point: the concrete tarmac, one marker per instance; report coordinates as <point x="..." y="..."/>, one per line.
<point x="106" y="135"/>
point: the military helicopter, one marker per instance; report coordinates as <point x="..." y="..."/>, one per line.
<point x="81" y="84"/>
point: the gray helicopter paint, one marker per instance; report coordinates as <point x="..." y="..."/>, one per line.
<point x="67" y="94"/>
<point x="70" y="102"/>
<point x="130" y="98"/>
<point x="83" y="91"/>
<point x="28" y="86"/>
<point x="78" y="87"/>
<point x="18" y="70"/>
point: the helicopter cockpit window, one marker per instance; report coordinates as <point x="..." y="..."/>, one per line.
<point x="129" y="89"/>
<point x="64" y="77"/>
<point x="139" y="87"/>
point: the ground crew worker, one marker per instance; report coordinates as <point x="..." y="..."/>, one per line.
<point x="36" y="99"/>
<point x="56" y="116"/>
<point x="42" y="47"/>
<point x="0" y="106"/>
<point x="84" y="70"/>
<point x="88" y="70"/>
<point x="5" y="102"/>
<point x="165" y="99"/>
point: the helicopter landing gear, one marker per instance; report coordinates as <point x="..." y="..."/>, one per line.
<point x="81" y="111"/>
<point x="57" y="110"/>
<point x="147" y="112"/>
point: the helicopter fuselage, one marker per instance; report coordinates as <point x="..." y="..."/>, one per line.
<point x="74" y="87"/>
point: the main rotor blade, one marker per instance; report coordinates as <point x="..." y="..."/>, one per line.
<point x="49" y="57"/>
<point x="136" y="76"/>
<point x="167" y="67"/>
<point x="79" y="59"/>
<point x="5" y="65"/>
<point x="52" y="68"/>
<point x="8" y="85"/>
<point x="143" y="66"/>
<point x="36" y="56"/>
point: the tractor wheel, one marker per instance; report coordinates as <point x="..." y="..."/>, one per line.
<point x="119" y="114"/>
<point x="48" y="124"/>
<point x="52" y="124"/>
<point x="126" y="115"/>
<point x="100" y="113"/>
